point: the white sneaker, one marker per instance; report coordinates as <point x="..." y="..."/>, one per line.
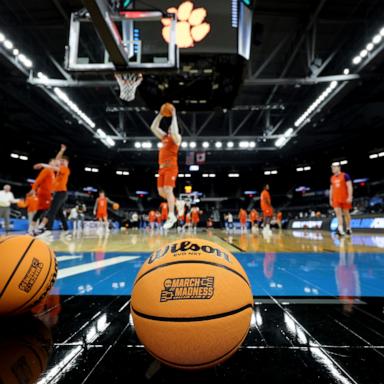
<point x="171" y="221"/>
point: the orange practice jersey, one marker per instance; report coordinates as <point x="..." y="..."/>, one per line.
<point x="168" y="152"/>
<point x="62" y="179"/>
<point x="243" y="215"/>
<point x="44" y="182"/>
<point x="102" y="205"/>
<point x="339" y="187"/>
<point x="253" y="215"/>
<point x="152" y="216"/>
<point x="265" y="200"/>
<point x="164" y="210"/>
<point x="195" y="215"/>
<point x="32" y="203"/>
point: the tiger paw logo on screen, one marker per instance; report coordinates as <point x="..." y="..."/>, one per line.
<point x="191" y="26"/>
<point x="187" y="288"/>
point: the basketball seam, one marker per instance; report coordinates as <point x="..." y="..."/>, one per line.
<point x="202" y="364"/>
<point x="38" y="290"/>
<point x="16" y="267"/>
<point x="191" y="319"/>
<point x="193" y="262"/>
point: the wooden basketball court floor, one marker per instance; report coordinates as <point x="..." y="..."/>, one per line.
<point x="318" y="315"/>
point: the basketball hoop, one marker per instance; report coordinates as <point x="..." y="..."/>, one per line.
<point x="128" y="83"/>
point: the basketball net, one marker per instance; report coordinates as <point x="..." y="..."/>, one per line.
<point x="128" y="83"/>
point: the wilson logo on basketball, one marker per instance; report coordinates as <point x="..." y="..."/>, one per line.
<point x="179" y="249"/>
<point x="187" y="288"/>
<point x="31" y="275"/>
<point x="191" y="26"/>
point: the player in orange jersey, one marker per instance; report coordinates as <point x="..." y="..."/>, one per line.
<point x="32" y="203"/>
<point x="168" y="165"/>
<point x="266" y="207"/>
<point x="279" y="219"/>
<point x="100" y="210"/>
<point x="164" y="211"/>
<point x="253" y="218"/>
<point x="340" y="198"/>
<point x="43" y="189"/>
<point x="243" y="220"/>
<point x="195" y="218"/>
<point x="60" y="193"/>
<point x="152" y="220"/>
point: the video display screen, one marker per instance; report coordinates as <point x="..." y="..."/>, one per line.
<point x="202" y="26"/>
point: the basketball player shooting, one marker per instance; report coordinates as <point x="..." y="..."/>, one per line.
<point x="168" y="166"/>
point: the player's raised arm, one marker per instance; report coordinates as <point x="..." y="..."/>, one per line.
<point x="61" y="152"/>
<point x="174" y="128"/>
<point x="155" y="127"/>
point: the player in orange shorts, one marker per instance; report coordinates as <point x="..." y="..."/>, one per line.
<point x="43" y="189"/>
<point x="32" y="203"/>
<point x="164" y="212"/>
<point x="279" y="219"/>
<point x="266" y="207"/>
<point x="152" y="220"/>
<point x="195" y="218"/>
<point x="168" y="166"/>
<point x="340" y="198"/>
<point x="243" y="220"/>
<point x="253" y="218"/>
<point x="100" y="210"/>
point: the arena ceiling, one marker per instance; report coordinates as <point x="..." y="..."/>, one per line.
<point x="298" y="48"/>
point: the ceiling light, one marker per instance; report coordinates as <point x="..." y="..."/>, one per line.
<point x="346" y="71"/>
<point x="218" y="144"/>
<point x="280" y="142"/>
<point x="205" y="144"/>
<point x="356" y="60"/>
<point x="192" y="144"/>
<point x="369" y="47"/>
<point x="8" y="44"/>
<point x="184" y="144"/>
<point x="137" y="144"/>
<point x="376" y="39"/>
<point x="230" y="144"/>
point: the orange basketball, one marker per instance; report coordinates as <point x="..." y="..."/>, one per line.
<point x="115" y="206"/>
<point x="27" y="272"/>
<point x="167" y="109"/>
<point x="21" y="203"/>
<point x="191" y="304"/>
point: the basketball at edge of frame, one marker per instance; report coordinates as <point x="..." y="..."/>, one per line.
<point x="167" y="109"/>
<point x="115" y="206"/>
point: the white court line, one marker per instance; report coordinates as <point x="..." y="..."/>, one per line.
<point x="66" y="272"/>
<point x="66" y="258"/>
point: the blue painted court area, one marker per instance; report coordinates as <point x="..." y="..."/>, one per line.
<point x="271" y="274"/>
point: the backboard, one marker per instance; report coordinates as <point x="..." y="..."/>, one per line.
<point x="116" y="35"/>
